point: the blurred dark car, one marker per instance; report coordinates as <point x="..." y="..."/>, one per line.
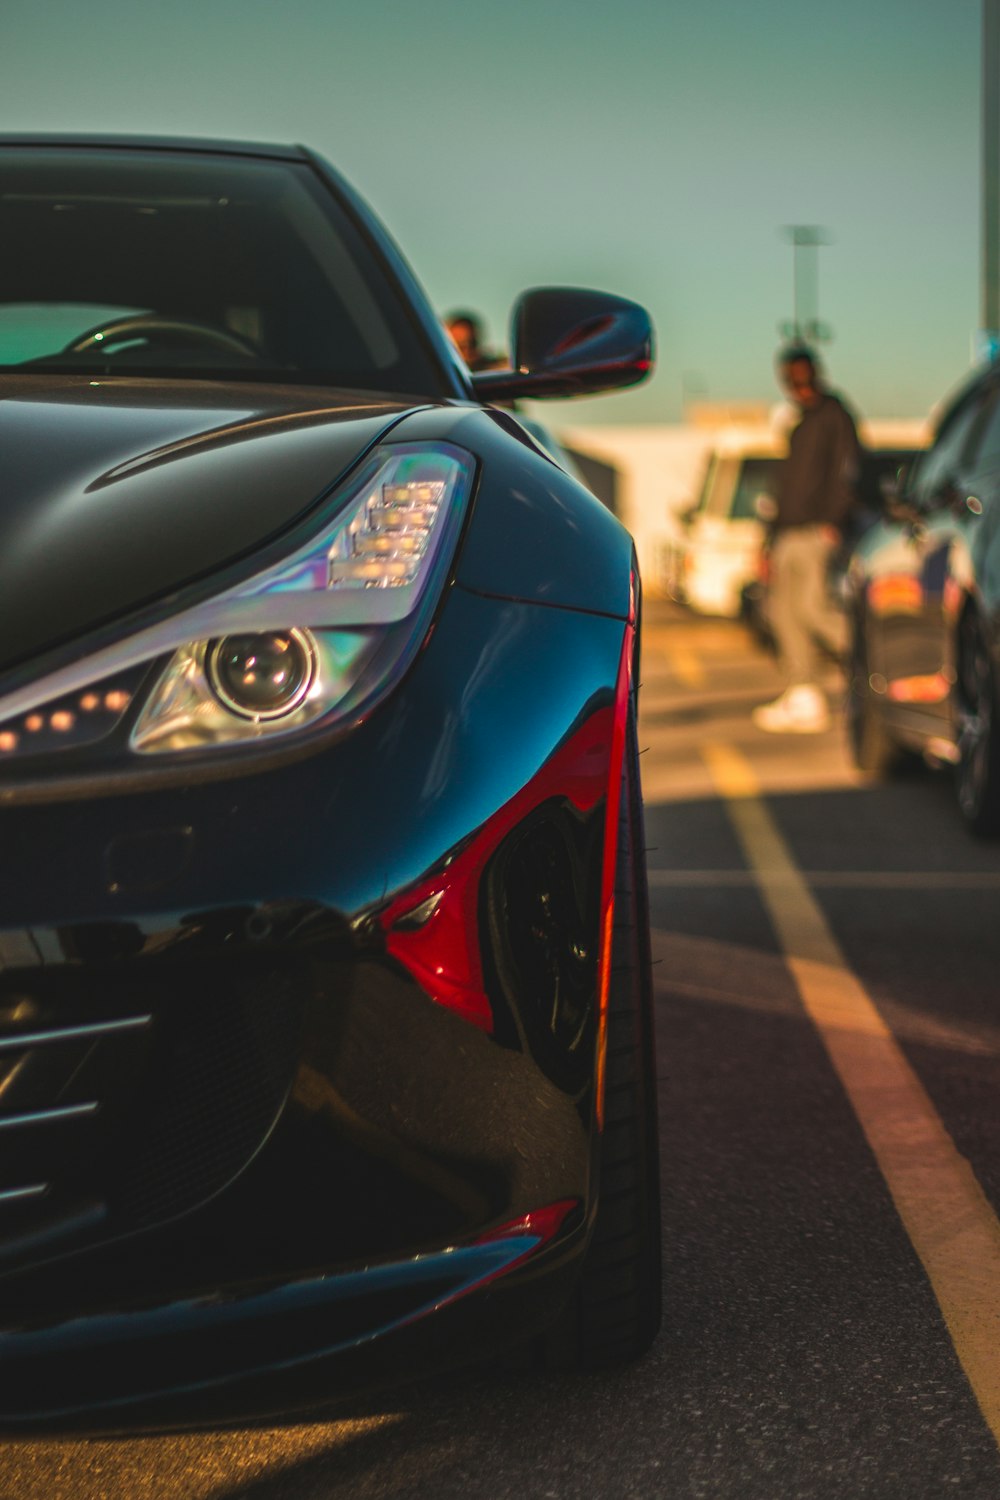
<point x="924" y="599"/>
<point x="326" y="1048"/>
<point x="878" y="478"/>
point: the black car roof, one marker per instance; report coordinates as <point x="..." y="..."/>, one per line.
<point x="155" y="143"/>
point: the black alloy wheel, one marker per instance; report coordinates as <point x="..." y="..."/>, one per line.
<point x="615" y="1312"/>
<point x="977" y="775"/>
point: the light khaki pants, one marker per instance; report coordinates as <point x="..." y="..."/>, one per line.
<point x="801" y="610"/>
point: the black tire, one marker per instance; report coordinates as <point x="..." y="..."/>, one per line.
<point x="977" y="774"/>
<point x="615" y="1312"/>
<point x="873" y="748"/>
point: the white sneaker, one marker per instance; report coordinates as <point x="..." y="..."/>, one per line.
<point x="800" y="710"/>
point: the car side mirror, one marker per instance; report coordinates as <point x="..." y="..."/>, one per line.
<point x="570" y="342"/>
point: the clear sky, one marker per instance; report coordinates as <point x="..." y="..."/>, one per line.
<point x="653" y="149"/>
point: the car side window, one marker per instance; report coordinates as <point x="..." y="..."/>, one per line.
<point x="756" y="479"/>
<point x="943" y="461"/>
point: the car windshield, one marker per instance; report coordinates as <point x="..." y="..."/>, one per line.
<point x="174" y="264"/>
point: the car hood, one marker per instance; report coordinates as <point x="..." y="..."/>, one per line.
<point x="115" y="493"/>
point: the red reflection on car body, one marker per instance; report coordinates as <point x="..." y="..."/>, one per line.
<point x="442" y="952"/>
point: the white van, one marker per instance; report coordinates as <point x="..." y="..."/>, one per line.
<point x="714" y="548"/>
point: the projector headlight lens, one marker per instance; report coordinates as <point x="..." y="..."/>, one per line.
<point x="262" y="676"/>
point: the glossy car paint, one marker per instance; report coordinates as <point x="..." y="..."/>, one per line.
<point x="303" y="1046"/>
<point x="83" y="456"/>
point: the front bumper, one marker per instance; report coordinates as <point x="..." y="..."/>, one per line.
<point x="247" y="1144"/>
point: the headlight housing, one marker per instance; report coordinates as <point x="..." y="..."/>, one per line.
<point x="305" y="642"/>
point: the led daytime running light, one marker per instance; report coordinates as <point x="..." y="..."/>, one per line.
<point x="377" y="557"/>
<point x="388" y="540"/>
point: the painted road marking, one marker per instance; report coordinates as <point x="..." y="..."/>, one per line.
<point x="683" y="661"/>
<point x="751" y="987"/>
<point x="888" y="880"/>
<point x="686" y="666"/>
<point x="944" y="1210"/>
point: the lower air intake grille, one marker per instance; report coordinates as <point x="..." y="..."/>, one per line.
<point x="216" y="1087"/>
<point x="125" y="1102"/>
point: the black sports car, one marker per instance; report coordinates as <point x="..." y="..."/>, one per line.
<point x="325" y="1024"/>
<point x="924" y="596"/>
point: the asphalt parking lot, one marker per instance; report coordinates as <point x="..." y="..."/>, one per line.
<point x="829" y="1056"/>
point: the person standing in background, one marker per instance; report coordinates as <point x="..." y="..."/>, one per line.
<point x="817" y="490"/>
<point x="466" y="332"/>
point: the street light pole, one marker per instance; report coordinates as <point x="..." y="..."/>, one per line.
<point x="989" y="292"/>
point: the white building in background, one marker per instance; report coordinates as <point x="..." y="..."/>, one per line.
<point x="660" y="468"/>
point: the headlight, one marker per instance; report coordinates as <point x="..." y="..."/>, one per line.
<point x="255" y="685"/>
<point x="308" y="639"/>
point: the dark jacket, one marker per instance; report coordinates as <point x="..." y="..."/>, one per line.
<point x="817" y="483"/>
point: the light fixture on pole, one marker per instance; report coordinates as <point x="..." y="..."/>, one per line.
<point x="805" y="240"/>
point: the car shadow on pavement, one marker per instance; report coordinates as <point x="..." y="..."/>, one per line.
<point x="491" y="1434"/>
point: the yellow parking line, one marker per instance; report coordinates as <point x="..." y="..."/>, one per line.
<point x="686" y="666"/>
<point x="945" y="1212"/>
<point x="864" y="880"/>
<point x="683" y="661"/>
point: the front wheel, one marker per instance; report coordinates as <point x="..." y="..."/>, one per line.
<point x="615" y="1312"/>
